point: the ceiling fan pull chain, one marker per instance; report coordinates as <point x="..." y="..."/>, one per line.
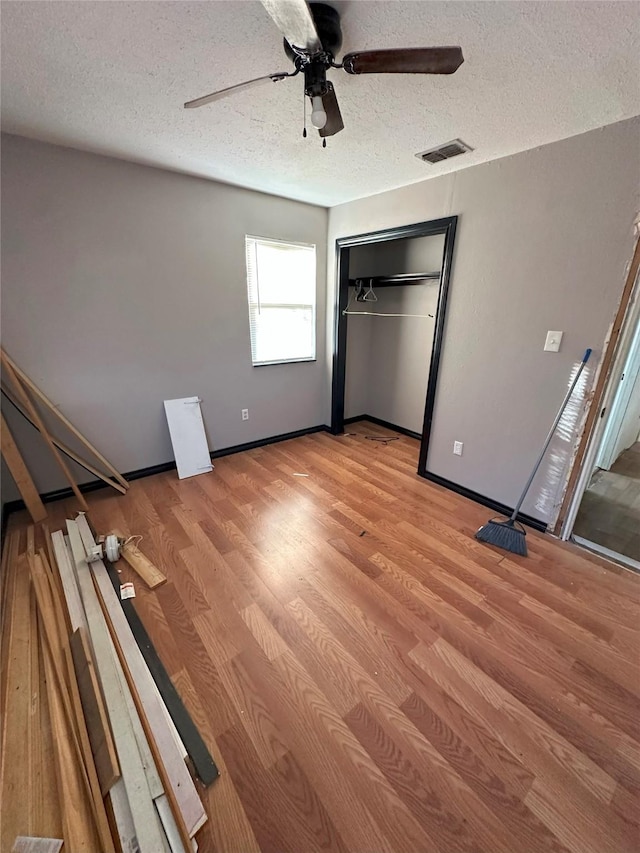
<point x="304" y="115"/>
<point x="324" y="143"/>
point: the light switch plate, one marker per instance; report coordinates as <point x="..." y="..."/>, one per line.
<point x="553" y="341"/>
<point x="457" y="448"/>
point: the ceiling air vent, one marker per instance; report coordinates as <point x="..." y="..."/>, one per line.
<point x="444" y="152"/>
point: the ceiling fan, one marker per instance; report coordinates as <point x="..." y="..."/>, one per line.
<point x="312" y="38"/>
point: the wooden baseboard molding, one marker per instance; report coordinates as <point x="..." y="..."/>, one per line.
<point x="498" y="507"/>
<point x="387" y="424"/>
<point x="93" y="485"/>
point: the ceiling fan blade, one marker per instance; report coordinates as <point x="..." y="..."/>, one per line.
<point x="231" y="90"/>
<point x="293" y="19"/>
<point x="334" y="118"/>
<point x="411" y="60"/>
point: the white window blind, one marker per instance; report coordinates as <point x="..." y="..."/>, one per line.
<point x="281" y="283"/>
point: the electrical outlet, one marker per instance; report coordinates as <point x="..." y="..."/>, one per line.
<point x="245" y="414"/>
<point x="457" y="448"/>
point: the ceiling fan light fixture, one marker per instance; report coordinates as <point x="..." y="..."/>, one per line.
<point x="318" y="115"/>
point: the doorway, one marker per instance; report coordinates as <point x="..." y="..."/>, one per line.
<point x="392" y="277"/>
<point x="606" y="508"/>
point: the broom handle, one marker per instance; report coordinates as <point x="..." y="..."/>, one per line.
<point x="585" y="359"/>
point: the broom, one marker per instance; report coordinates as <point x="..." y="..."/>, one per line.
<point x="510" y="534"/>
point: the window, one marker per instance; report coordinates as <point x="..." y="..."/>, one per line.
<point x="281" y="280"/>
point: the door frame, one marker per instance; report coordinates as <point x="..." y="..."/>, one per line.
<point x="432" y="228"/>
<point x="612" y="360"/>
<point x="628" y="374"/>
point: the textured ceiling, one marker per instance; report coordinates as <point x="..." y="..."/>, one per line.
<point x="111" y="77"/>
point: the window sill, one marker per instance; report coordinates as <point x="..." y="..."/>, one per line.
<point x="285" y="361"/>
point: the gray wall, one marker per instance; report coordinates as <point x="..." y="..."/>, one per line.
<point x="124" y="285"/>
<point x="543" y="241"/>
<point x="388" y="358"/>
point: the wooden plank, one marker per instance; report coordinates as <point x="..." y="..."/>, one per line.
<point x="155" y="751"/>
<point x="67" y="698"/>
<point x="68" y="451"/>
<point x="56" y="411"/>
<point x="179" y="777"/>
<point x="69" y="582"/>
<point x="148" y="832"/>
<point x="35" y="415"/>
<point x="141" y="565"/>
<point x="9" y="571"/>
<point x="102" y="745"/>
<point x="31" y="541"/>
<point x="193" y="741"/>
<point x="35" y="789"/>
<point x="20" y="474"/>
<point x="117" y="800"/>
<point x="37" y="845"/>
<point x="77" y="818"/>
<point x="51" y="810"/>
<point x="14" y="758"/>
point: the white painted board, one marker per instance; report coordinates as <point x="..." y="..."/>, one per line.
<point x="187" y="436"/>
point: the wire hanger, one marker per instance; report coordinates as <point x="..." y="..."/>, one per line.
<point x="359" y="288"/>
<point x="370" y="296"/>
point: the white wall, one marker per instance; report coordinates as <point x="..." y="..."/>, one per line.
<point x="124" y="285"/>
<point x="631" y="421"/>
<point x="543" y="240"/>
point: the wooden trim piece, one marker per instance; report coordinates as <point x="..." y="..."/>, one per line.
<point x="606" y="366"/>
<point x="20" y="473"/>
<point x="35" y="415"/>
<point x="31" y="541"/>
<point x="122" y="817"/>
<point x="49" y="546"/>
<point x="30" y="844"/>
<point x="14" y="745"/>
<point x="77" y="820"/>
<point x="141" y="565"/>
<point x="155" y="751"/>
<point x="68" y="451"/>
<point x="68" y="699"/>
<point x="9" y="571"/>
<point x="145" y="819"/>
<point x="55" y="411"/>
<point x="67" y="574"/>
<point x="193" y="741"/>
<point x="102" y="745"/>
<point x="178" y="774"/>
<point x="179" y="777"/>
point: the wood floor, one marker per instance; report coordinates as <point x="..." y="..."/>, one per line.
<point x="610" y="510"/>
<point x="369" y="677"/>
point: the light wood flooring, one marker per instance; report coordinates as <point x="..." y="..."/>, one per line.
<point x="369" y="677"/>
<point x="610" y="510"/>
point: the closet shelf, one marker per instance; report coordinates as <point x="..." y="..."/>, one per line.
<point x="395" y="280"/>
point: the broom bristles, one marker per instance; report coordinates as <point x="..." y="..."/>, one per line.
<point x="504" y="534"/>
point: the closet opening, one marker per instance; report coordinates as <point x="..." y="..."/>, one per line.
<point x="391" y="301"/>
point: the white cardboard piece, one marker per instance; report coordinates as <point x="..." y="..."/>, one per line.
<point x="187" y="436"/>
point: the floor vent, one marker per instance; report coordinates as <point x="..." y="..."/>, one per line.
<point x="444" y="152"/>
